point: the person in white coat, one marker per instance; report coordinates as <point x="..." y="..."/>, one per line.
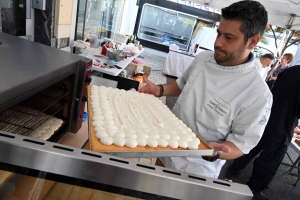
<point x="222" y="97"/>
<point x="266" y="62"/>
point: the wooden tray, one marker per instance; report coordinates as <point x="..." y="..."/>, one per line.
<point x="139" y="152"/>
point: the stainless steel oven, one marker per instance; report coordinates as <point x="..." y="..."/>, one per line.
<point x="37" y="83"/>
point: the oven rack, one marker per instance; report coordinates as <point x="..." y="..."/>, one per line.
<point x="26" y="116"/>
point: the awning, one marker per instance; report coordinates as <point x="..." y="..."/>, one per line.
<point x="282" y="13"/>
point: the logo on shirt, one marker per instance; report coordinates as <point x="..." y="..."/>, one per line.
<point x="219" y="106"/>
<point x="264" y="119"/>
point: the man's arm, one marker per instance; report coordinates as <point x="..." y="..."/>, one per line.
<point x="248" y="126"/>
<point x="247" y="129"/>
<point x="170" y="89"/>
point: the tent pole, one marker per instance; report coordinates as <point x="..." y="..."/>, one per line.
<point x="291" y="21"/>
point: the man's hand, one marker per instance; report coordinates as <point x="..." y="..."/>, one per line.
<point x="220" y="147"/>
<point x="150" y="88"/>
<point x="169" y="89"/>
<point x="228" y="149"/>
<point x="274" y="78"/>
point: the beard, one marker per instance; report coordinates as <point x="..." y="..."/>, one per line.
<point x="229" y="58"/>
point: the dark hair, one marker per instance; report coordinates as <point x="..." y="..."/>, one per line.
<point x="252" y="14"/>
<point x="269" y="56"/>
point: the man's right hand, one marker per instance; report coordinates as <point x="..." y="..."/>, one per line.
<point x="150" y="88"/>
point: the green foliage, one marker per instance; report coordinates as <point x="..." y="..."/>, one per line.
<point x="263" y="39"/>
<point x="290" y="40"/>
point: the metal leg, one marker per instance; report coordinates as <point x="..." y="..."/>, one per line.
<point x="290" y="170"/>
<point x="289" y="157"/>
<point x="295" y="184"/>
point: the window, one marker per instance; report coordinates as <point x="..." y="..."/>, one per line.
<point x="101" y="18"/>
<point x="165" y="26"/>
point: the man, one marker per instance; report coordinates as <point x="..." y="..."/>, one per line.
<point x="221" y="96"/>
<point x="277" y="136"/>
<point x="266" y="62"/>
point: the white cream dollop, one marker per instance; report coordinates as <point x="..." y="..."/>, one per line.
<point x="130" y="142"/>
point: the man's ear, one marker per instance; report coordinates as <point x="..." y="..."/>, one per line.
<point x="252" y="42"/>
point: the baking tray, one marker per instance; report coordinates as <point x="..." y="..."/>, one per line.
<point x="140" y="152"/>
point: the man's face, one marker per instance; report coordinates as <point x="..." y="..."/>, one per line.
<point x="270" y="62"/>
<point x="230" y="46"/>
<point x="266" y="62"/>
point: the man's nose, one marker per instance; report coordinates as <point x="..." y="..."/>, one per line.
<point x="219" y="42"/>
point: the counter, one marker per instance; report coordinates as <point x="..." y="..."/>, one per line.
<point x="114" y="71"/>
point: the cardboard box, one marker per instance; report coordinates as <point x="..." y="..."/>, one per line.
<point x="147" y="70"/>
<point x="136" y="68"/>
<point x="137" y="76"/>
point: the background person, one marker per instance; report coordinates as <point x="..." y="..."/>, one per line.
<point x="286" y="59"/>
<point x="266" y="62"/>
<point x="221" y="97"/>
<point x="277" y="136"/>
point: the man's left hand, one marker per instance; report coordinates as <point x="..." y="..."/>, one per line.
<point x="219" y="147"/>
<point x="228" y="149"/>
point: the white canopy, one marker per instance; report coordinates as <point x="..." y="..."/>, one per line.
<point x="282" y="13"/>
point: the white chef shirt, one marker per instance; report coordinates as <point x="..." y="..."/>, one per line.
<point x="221" y="103"/>
<point x="264" y="72"/>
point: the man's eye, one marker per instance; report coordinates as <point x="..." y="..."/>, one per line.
<point x="229" y="38"/>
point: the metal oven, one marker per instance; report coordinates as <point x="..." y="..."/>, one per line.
<point x="38" y="83"/>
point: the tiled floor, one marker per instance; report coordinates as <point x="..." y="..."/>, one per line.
<point x="156" y="52"/>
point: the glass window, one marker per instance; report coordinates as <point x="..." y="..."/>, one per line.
<point x="80" y="20"/>
<point x="99" y="18"/>
<point x="165" y="26"/>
